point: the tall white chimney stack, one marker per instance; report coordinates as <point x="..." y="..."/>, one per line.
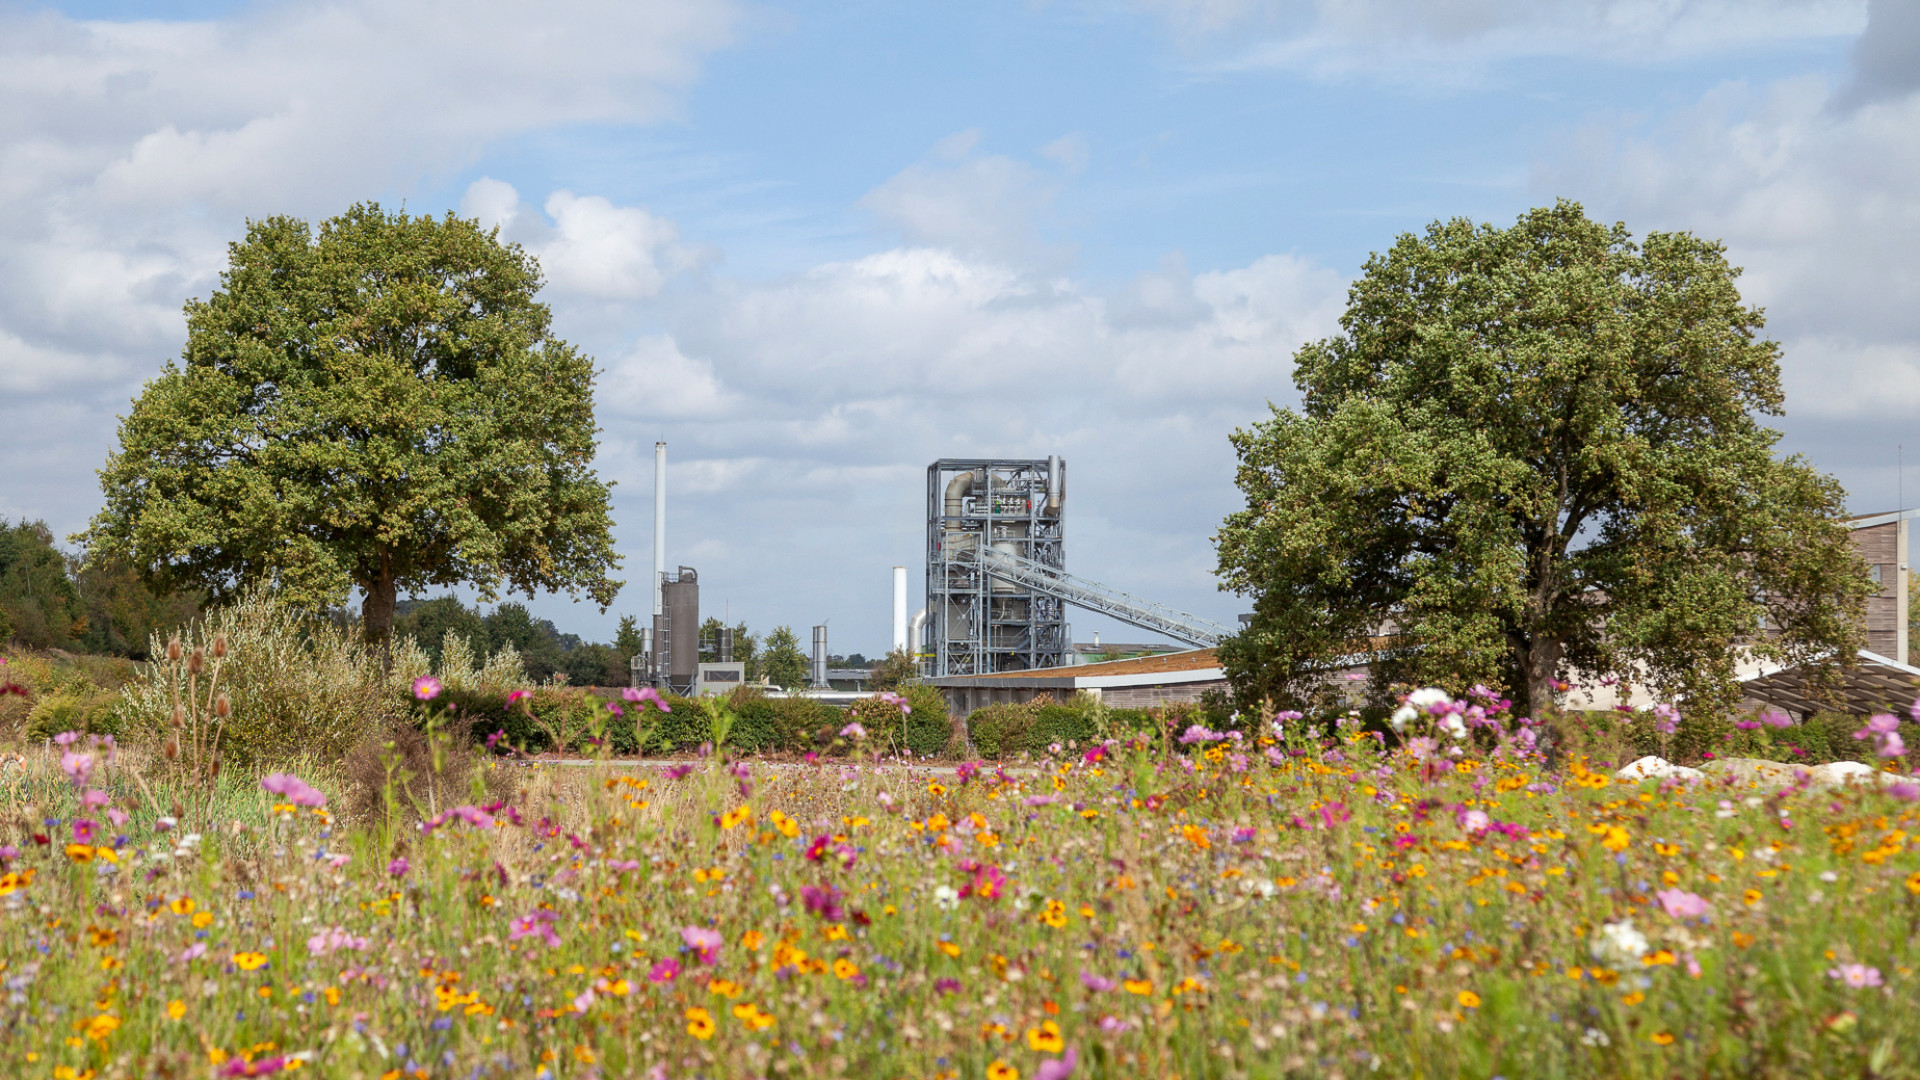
<point x="659" y="522"/>
<point x="899" y="609"/>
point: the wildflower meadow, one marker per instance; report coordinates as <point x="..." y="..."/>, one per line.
<point x="1439" y="897"/>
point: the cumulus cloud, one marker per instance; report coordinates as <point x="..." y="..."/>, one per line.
<point x="131" y="153"/>
<point x="1808" y="181"/>
<point x="1454" y="39"/>
<point x="986" y="204"/>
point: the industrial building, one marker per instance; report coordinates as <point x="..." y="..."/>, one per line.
<point x="1139" y="683"/>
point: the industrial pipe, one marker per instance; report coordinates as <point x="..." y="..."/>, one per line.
<point x="899" y="609"/>
<point x="913" y="633"/>
<point x="659" y="523"/>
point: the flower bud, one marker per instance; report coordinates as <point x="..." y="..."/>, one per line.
<point x="219" y="646"/>
<point x="222" y="707"/>
<point x="196" y="662"/>
<point x="173" y="650"/>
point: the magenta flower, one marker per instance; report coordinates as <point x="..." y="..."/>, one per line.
<point x="703" y="941"/>
<point x="1856" y="976"/>
<point x="83" y="830"/>
<point x="853" y="731"/>
<point x="1197" y="734"/>
<point x="1904" y="790"/>
<point x="66" y="738"/>
<point x="1059" y="1068"/>
<point x="1099" y="984"/>
<point x="293" y="789"/>
<point x="399" y="867"/>
<point x="263" y="1067"/>
<point x="426" y="688"/>
<point x="823" y="901"/>
<point x="517" y="697"/>
<point x="1776" y="718"/>
<point x="665" y="971"/>
<point x="94" y="797"/>
<point x="1680" y="904"/>
<point x="647" y="694"/>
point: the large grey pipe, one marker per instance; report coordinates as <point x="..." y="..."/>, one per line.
<point x="820" y="656"/>
<point x="957" y="489"/>
<point x="914" y="631"/>
<point x="1056" y="484"/>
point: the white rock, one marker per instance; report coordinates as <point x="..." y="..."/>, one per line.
<point x="1654" y="767"/>
<point x="1846" y="772"/>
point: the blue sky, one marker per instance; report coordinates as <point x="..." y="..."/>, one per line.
<point x="817" y="245"/>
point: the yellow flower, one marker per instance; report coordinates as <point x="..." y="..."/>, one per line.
<point x="201" y="919"/>
<point x="249" y="961"/>
<point x="935" y="788"/>
<point x="182" y="906"/>
<point x="1138" y="986"/>
<point x="100" y="1026"/>
<point x="723" y="987"/>
<point x="844" y="968"/>
<point x="79" y="853"/>
<point x="1634" y="998"/>
<point x="1054" y="914"/>
<point x="1662" y="1038"/>
<point x="1750" y="897"/>
<point x="752" y="939"/>
<point x="948" y="947"/>
<point x="1045" y="1039"/>
<point x="750" y="1014"/>
<point x="1000" y="1070"/>
<point x="1617" y="839"/>
<point x="700" y="1023"/>
<point x="176" y="1009"/>
<point x="10" y="882"/>
<point x="1913" y="883"/>
<point x="1469" y="1000"/>
<point x="736" y="817"/>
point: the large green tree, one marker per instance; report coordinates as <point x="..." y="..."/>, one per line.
<point x="1533" y="451"/>
<point x="378" y="405"/>
<point x="782" y="660"/>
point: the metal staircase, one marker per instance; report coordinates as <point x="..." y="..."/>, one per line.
<point x="1094" y="596"/>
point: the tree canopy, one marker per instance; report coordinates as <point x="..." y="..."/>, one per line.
<point x="1533" y="451"/>
<point x="781" y="659"/>
<point x="379" y="405"/>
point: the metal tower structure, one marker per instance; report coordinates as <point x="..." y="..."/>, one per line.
<point x="979" y="622"/>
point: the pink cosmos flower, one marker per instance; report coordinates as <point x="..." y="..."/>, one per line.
<point x="1681" y="904"/>
<point x="192" y="952"/>
<point x="77" y="767"/>
<point x="1856" y="976"/>
<point x="117" y="816"/>
<point x="293" y="789"/>
<point x="896" y="701"/>
<point x="647" y="694"/>
<point x="665" y="971"/>
<point x="517" y="697"/>
<point x="537" y="923"/>
<point x="332" y="940"/>
<point x="426" y="688"/>
<point x="399" y="867"/>
<point x="66" y="738"/>
<point x="1099" y="984"/>
<point x="1475" y="822"/>
<point x="83" y="830"/>
<point x="853" y="731"/>
<point x="94" y="797"/>
<point x="703" y="941"/>
<point x="1059" y="1068"/>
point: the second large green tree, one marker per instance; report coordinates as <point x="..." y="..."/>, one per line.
<point x="378" y="404"/>
<point x="1532" y="451"/>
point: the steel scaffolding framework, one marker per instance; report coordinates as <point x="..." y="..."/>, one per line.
<point x="1094" y="596"/>
<point x="979" y="622"/>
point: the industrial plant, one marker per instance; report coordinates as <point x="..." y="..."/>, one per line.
<point x="997" y="588"/>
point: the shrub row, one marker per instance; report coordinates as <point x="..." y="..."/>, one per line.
<point x="1007" y="730"/>
<point x="566" y="718"/>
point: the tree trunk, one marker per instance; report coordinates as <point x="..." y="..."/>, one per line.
<point x="1542" y="661"/>
<point x="376" y="614"/>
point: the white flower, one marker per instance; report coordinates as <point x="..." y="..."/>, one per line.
<point x="946" y="897"/>
<point x="1417" y="705"/>
<point x="1618" y="943"/>
<point x="1453" y="725"/>
<point x="1596" y="1037"/>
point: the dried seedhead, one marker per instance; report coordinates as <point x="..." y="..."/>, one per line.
<point x="219" y="646"/>
<point x="196" y="662"/>
<point x="222" y="707"/>
<point x="173" y="650"/>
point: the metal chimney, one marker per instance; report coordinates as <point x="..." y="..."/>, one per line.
<point x="899" y="609"/>
<point x="820" y="658"/>
<point x="659" y="523"/>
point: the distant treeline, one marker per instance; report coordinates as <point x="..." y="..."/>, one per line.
<point x="52" y="600"/>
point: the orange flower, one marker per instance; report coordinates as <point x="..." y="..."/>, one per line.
<point x="1469" y="1000"/>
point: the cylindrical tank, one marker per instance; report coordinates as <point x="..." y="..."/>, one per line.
<point x="820" y="656"/>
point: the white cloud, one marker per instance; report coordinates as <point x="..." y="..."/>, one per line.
<point x="989" y="204"/>
<point x="1814" y="200"/>
<point x="609" y="252"/>
<point x="1455" y="39"/>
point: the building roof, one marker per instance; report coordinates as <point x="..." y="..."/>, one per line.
<point x="1874" y="684"/>
<point x="1192" y="665"/>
